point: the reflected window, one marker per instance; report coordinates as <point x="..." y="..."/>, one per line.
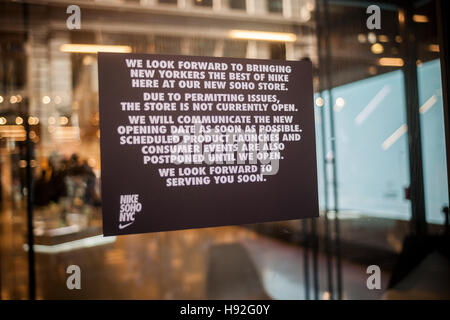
<point x="235" y="49"/>
<point x="167" y="45"/>
<point x="278" y="51"/>
<point x="202" y="47"/>
<point x="168" y="1"/>
<point x="203" y="3"/>
<point x="237" y="4"/>
<point x="275" y="6"/>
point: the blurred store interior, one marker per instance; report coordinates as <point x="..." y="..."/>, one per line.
<point x="381" y="153"/>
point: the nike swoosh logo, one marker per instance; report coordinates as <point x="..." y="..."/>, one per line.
<point x="121" y="226"/>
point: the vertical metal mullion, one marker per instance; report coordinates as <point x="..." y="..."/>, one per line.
<point x="419" y="224"/>
<point x="30" y="208"/>
<point x="322" y="65"/>
<point x="315" y="249"/>
<point x="337" y="246"/>
<point x="29" y="177"/>
<point x="327" y="238"/>
<point x="306" y="258"/>
<point x="327" y="241"/>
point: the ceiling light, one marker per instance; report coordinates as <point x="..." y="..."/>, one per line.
<point x="93" y="48"/>
<point x="261" y="35"/>
<point x="372" y="37"/>
<point x="377" y="48"/>
<point x="420" y="18"/>
<point x="383" y="38"/>
<point x="433" y="47"/>
<point x="390" y="62"/>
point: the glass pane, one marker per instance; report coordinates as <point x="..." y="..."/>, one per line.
<point x="370" y="119"/>
<point x="433" y="140"/>
<point x="49" y="80"/>
<point x="431" y="111"/>
<point x="363" y="153"/>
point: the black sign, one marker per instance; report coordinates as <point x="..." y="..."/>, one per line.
<point x="190" y="142"/>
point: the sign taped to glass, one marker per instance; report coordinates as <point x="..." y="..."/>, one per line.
<point x="190" y="142"/>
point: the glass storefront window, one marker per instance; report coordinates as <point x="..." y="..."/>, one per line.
<point x="49" y="81"/>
